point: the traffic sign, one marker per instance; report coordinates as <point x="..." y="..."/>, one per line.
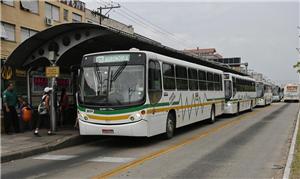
<point x="52" y="71"/>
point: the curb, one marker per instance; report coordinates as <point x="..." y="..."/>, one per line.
<point x="287" y="169"/>
<point x="75" y="140"/>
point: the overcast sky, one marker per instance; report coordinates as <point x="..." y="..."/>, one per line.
<point x="264" y="34"/>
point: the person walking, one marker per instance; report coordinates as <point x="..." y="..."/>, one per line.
<point x="44" y="110"/>
<point x="63" y="106"/>
<point x="10" y="101"/>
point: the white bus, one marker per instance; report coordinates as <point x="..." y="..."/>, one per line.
<point x="276" y="92"/>
<point x="141" y="93"/>
<point x="264" y="94"/>
<point x="291" y="92"/>
<point x="240" y="93"/>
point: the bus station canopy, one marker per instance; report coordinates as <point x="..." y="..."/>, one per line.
<point x="92" y="38"/>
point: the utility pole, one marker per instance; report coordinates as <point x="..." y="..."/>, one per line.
<point x="99" y="11"/>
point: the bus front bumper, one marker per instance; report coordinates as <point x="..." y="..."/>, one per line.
<point x="260" y="102"/>
<point x="137" y="129"/>
<point x="230" y="108"/>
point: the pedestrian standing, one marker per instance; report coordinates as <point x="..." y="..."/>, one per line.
<point x="10" y="100"/>
<point x="44" y="112"/>
<point x="63" y="106"/>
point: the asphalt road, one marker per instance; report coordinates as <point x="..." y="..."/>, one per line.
<point x="251" y="145"/>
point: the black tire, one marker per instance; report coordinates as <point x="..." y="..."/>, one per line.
<point x="238" y="109"/>
<point x="170" y="126"/>
<point x="251" y="106"/>
<point x="212" y="118"/>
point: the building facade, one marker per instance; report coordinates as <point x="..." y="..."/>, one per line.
<point x="21" y="19"/>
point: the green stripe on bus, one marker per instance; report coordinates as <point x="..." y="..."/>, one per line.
<point x="127" y="110"/>
<point x="133" y="109"/>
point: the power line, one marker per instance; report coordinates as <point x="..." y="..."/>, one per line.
<point x="148" y="25"/>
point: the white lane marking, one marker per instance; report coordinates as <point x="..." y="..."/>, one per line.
<point x="111" y="159"/>
<point x="287" y="169"/>
<point x="54" y="157"/>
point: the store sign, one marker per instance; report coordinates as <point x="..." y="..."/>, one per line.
<point x="40" y="82"/>
<point x="6" y="72"/>
<point x="20" y="73"/>
<point x="52" y="72"/>
<point x="75" y="4"/>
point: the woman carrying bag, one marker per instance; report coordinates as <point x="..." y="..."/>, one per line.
<point x="43" y="110"/>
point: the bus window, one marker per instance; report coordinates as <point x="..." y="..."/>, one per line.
<point x="193" y="79"/>
<point x="181" y="78"/>
<point x="169" y="76"/>
<point x="154" y="82"/>
<point x="210" y="81"/>
<point x="220" y="82"/>
<point x="234" y="88"/>
<point x="202" y="80"/>
<point x="216" y="82"/>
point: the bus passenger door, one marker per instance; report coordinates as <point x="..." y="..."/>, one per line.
<point x="155" y="93"/>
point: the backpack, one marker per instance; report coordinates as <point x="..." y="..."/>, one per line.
<point x="42" y="106"/>
<point x="26" y="114"/>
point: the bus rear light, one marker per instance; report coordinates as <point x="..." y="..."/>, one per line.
<point x="143" y="112"/>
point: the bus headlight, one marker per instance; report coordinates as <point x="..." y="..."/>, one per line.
<point x="137" y="116"/>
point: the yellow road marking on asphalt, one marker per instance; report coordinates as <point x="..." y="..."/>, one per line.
<point x="170" y="148"/>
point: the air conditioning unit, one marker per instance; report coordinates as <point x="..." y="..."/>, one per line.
<point x="48" y="21"/>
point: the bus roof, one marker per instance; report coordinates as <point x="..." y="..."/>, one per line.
<point x="160" y="57"/>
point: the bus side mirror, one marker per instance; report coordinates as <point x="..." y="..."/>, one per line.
<point x="76" y="96"/>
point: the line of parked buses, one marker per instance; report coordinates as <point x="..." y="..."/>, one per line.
<point x="141" y="93"/>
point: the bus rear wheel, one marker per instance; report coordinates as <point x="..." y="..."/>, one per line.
<point x="212" y="115"/>
<point x="251" y="106"/>
<point x="170" y="127"/>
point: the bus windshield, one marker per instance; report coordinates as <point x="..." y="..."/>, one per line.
<point x="113" y="84"/>
<point x="260" y="90"/>
<point x="275" y="91"/>
<point x="228" y="89"/>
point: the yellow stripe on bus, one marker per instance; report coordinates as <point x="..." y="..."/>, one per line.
<point x="108" y="118"/>
<point x="149" y="111"/>
<point x="166" y="109"/>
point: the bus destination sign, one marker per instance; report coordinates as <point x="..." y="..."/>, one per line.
<point x="112" y="58"/>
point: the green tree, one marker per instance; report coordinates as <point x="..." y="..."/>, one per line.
<point x="297" y="66"/>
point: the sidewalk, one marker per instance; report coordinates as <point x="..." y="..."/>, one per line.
<point x="25" y="144"/>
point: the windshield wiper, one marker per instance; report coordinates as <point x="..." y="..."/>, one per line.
<point x="119" y="71"/>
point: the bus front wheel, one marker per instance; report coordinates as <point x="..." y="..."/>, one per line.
<point x="170" y="127"/>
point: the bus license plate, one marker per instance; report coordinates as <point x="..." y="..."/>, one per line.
<point x="107" y="131"/>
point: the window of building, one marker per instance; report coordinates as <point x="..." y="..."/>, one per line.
<point x="51" y="11"/>
<point x="8" y="2"/>
<point x="30" y="5"/>
<point x="26" y="33"/>
<point x="8" y="31"/>
<point x="181" y="78"/>
<point x="193" y="79"/>
<point x="76" y="17"/>
<point x="66" y="14"/>
<point x="169" y="76"/>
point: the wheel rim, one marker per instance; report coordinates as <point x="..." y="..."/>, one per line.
<point x="213" y="115"/>
<point x="170" y="126"/>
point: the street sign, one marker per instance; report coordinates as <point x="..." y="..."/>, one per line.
<point x="52" y="71"/>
